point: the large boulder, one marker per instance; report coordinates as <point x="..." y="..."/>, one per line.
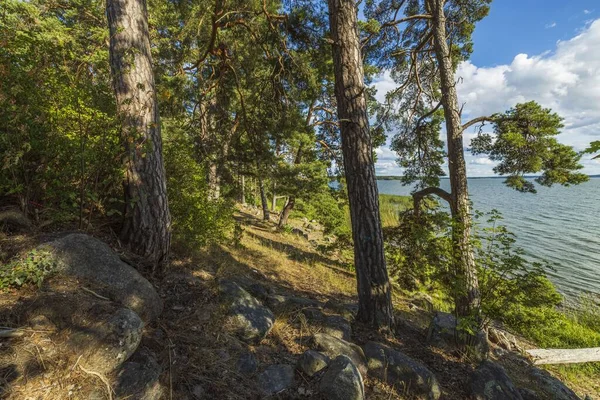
<point x="247" y="317"/>
<point x="334" y="325"/>
<point x="401" y="371"/>
<point x="490" y="382"/>
<point x="105" y="345"/>
<point x="276" y="378"/>
<point x="550" y="385"/>
<point x="443" y="333"/>
<point x="138" y="378"/>
<point x="334" y="347"/>
<point x="13" y="220"/>
<point x="87" y="258"/>
<point x="312" y="362"/>
<point x="342" y="381"/>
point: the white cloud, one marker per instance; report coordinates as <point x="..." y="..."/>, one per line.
<point x="566" y="79"/>
<point x="481" y="161"/>
<point x="586" y="12"/>
<point x="551" y="25"/>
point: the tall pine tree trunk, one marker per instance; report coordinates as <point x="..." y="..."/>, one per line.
<point x="467" y="298"/>
<point x="263" y="199"/>
<point x="374" y="291"/>
<point x="147" y="228"/>
<point x="287" y="210"/>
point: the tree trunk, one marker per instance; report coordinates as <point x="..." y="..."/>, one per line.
<point x="147" y="227"/>
<point x="467" y="298"/>
<point x="374" y="291"/>
<point x="274" y="202"/>
<point x="243" y="189"/>
<point x="287" y="210"/>
<point x="263" y="199"/>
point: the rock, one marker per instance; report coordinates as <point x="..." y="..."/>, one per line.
<point x="276" y="378"/>
<point x="550" y="385"/>
<point x="106" y="345"/>
<point x="490" y="382"/>
<point x="337" y="326"/>
<point x="248" y="318"/>
<point x="138" y="378"/>
<point x="443" y="333"/>
<point x="334" y="325"/>
<point x="334" y="347"/>
<point x="311" y="362"/>
<point x="42" y="323"/>
<point x="14" y="220"/>
<point x="259" y="291"/>
<point x="342" y="381"/>
<point x="279" y="302"/>
<point x="401" y="371"/>
<point x="423" y="301"/>
<point x="247" y="364"/>
<point x="85" y="257"/>
<point x="502" y="339"/>
<point x="528" y="394"/>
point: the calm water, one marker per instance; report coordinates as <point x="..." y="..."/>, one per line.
<point x="558" y="225"/>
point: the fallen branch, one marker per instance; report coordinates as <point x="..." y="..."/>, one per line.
<point x="564" y="356"/>
<point x="9" y="333"/>
<point x="102" y="378"/>
<point x="94" y="293"/>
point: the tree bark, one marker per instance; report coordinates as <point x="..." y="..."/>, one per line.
<point x="374" y="291"/>
<point x="263" y="200"/>
<point x="467" y="297"/>
<point x="287" y="210"/>
<point x="147" y="227"/>
<point x="243" y="189"/>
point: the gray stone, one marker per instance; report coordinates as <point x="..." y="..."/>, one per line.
<point x="259" y="291"/>
<point x="337" y="326"/>
<point x="342" y="381"/>
<point x="490" y="382"/>
<point x="138" y="378"/>
<point x="248" y="318"/>
<point x="423" y="300"/>
<point x="401" y="371"/>
<point x="279" y="302"/>
<point x="443" y="333"/>
<point x="85" y="257"/>
<point x="276" y="378"/>
<point x="334" y="347"/>
<point x="106" y="345"/>
<point x="247" y="364"/>
<point x="311" y="362"/>
<point x="550" y="385"/>
<point x="528" y="394"/>
<point x="14" y="220"/>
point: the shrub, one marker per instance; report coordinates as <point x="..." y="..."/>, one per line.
<point x="197" y="221"/>
<point x="33" y="268"/>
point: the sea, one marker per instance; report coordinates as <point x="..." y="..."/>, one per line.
<point x="558" y="226"/>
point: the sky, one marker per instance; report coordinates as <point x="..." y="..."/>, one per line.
<point x="542" y="50"/>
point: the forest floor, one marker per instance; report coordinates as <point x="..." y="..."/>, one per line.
<point x="199" y="357"/>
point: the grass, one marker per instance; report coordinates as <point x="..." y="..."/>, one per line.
<point x="390" y="207"/>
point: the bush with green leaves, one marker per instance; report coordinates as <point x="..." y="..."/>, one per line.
<point x="32" y="268"/>
<point x="197" y="220"/>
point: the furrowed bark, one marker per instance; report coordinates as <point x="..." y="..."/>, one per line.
<point x="147" y="227"/>
<point x="374" y="292"/>
<point x="287" y="210"/>
<point x="467" y="297"/>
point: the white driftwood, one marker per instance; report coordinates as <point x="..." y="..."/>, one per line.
<point x="564" y="356"/>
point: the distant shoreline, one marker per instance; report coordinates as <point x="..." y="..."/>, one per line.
<point x="399" y="177"/>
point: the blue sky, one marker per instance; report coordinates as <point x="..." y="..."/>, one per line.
<point x="542" y="50"/>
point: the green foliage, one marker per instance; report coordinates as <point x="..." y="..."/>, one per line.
<point x="594" y="148"/>
<point x="525" y="143"/>
<point x="418" y="251"/>
<point x="197" y="221"/>
<point x="327" y="207"/>
<point x="33" y="268"/>
<point x="58" y="135"/>
<point x="390" y="207"/>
